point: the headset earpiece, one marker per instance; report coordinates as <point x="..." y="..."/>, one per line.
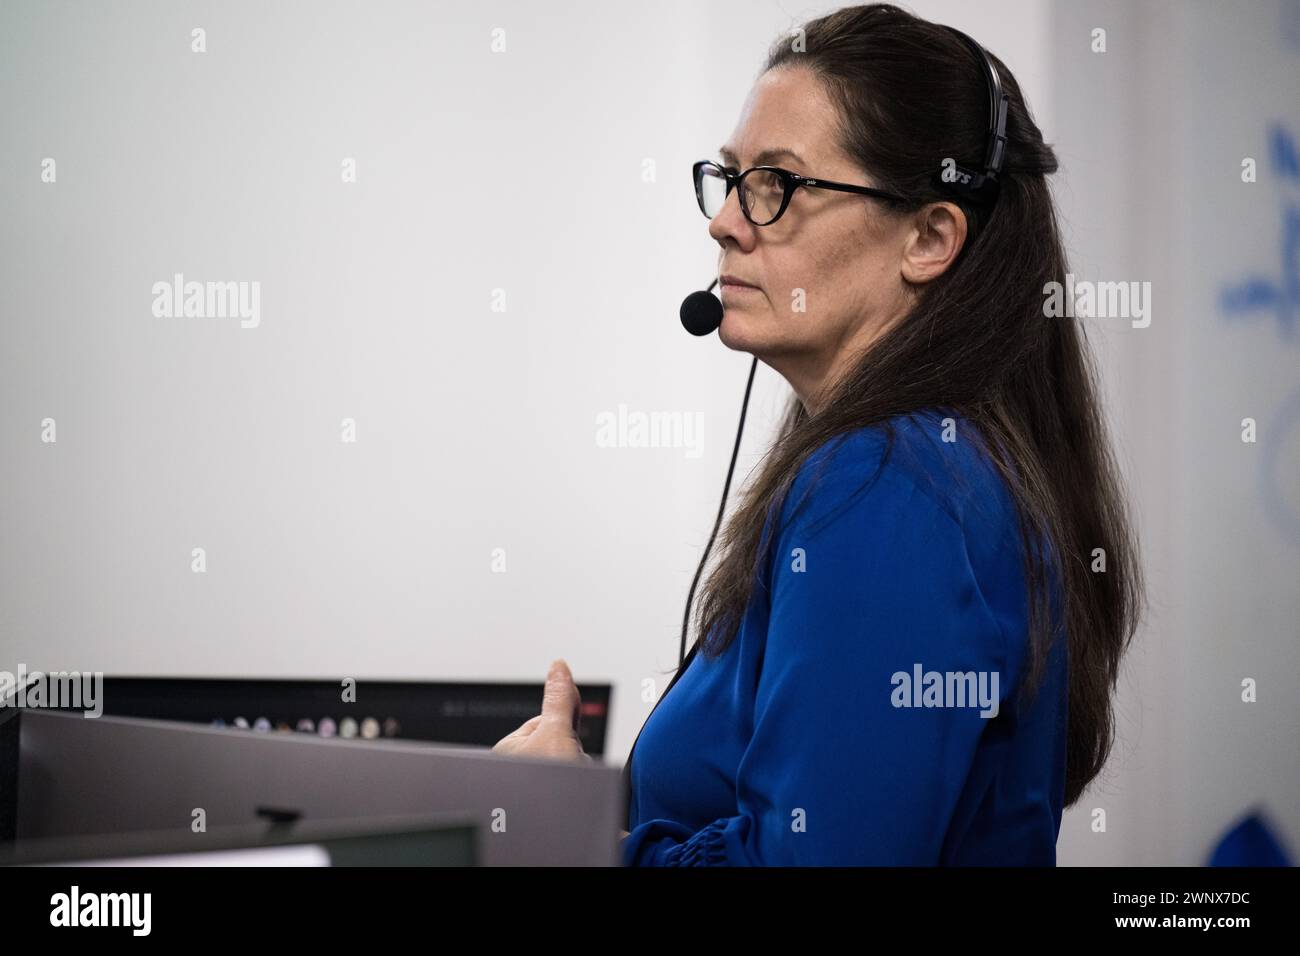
<point x="981" y="186"/>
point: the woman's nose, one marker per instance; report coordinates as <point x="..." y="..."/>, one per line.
<point x="730" y="222"/>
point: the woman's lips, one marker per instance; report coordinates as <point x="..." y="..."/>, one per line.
<point x="731" y="291"/>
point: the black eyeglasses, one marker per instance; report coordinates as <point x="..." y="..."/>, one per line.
<point x="765" y="191"/>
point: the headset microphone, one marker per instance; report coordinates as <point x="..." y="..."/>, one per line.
<point x="702" y="312"/>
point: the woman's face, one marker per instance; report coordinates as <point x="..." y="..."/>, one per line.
<point x="837" y="268"/>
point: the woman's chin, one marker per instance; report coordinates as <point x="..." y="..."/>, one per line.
<point x="738" y="330"/>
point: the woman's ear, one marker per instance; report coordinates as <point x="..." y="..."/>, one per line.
<point x="937" y="236"/>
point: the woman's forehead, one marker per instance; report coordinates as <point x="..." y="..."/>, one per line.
<point x="787" y="116"/>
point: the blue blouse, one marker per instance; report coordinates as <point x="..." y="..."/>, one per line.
<point x="866" y="712"/>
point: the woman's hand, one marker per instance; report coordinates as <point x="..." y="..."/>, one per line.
<point x="554" y="732"/>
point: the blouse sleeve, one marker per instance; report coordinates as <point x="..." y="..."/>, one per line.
<point x="844" y="767"/>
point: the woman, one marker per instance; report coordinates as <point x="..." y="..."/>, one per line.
<point x="917" y="614"/>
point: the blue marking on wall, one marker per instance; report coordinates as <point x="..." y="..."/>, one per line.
<point x="1278" y="298"/>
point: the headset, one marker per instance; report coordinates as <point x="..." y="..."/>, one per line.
<point x="981" y="186"/>
<point x="701" y="314"/>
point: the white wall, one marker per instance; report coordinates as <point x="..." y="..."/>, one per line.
<point x="476" y="429"/>
<point x="1153" y="133"/>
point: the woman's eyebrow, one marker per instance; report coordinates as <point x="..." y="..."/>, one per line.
<point x="764" y="158"/>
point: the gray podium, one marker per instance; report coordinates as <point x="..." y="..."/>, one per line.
<point x="64" y="776"/>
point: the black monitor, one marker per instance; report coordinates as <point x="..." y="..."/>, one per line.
<point x="477" y="714"/>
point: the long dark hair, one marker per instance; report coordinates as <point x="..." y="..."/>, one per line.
<point x="976" y="342"/>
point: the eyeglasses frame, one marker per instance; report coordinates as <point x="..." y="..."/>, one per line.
<point x="789" y="181"/>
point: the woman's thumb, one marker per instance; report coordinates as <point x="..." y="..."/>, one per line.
<point x="560" y="698"/>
